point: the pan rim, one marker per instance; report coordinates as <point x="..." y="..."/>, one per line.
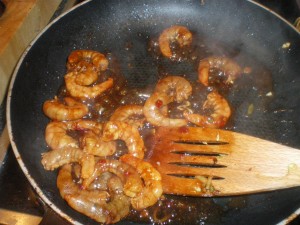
<point x="21" y="163"/>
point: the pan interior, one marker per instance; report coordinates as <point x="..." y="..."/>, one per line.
<point x="123" y="30"/>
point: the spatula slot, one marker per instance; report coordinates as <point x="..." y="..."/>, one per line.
<point x="198" y="165"/>
<point x="193" y="153"/>
<point x="201" y="142"/>
<point x="191" y="176"/>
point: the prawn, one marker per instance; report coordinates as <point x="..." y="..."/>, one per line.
<point x="167" y="90"/>
<point x="94" y="203"/>
<point x="152" y="190"/>
<point x="131" y="114"/>
<point x="132" y="183"/>
<point x="218" y="118"/>
<point x="69" y="110"/>
<point x="96" y="59"/>
<point x="179" y="34"/>
<point x="56" y="135"/>
<point x="229" y="67"/>
<point x="86" y="74"/>
<point x="93" y="144"/>
<point x="59" y="157"/>
<point x="82" y="91"/>
<point x="114" y="130"/>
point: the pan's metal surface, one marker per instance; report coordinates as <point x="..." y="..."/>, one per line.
<point x="107" y="26"/>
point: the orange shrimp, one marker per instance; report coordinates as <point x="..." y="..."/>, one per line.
<point x="131" y="114"/>
<point x="229" y="67"/>
<point x="84" y="92"/>
<point x="179" y="34"/>
<point x="96" y="59"/>
<point x="69" y="110"/>
<point x="218" y="118"/>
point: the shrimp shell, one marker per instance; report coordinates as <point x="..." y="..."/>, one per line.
<point x="152" y="190"/>
<point x="114" y="130"/>
<point x="71" y="110"/>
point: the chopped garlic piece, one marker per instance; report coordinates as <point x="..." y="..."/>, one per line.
<point x="286" y="45"/>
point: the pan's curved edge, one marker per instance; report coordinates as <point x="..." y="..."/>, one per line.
<point x="276" y="15"/>
<point x="33" y="183"/>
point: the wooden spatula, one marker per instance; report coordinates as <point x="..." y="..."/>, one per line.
<point x="207" y="162"/>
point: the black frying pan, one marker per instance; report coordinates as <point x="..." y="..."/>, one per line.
<point x="108" y="26"/>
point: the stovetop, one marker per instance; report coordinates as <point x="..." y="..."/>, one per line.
<point x="18" y="202"/>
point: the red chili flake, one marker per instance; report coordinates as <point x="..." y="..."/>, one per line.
<point x="159" y="103"/>
<point x="183" y="130"/>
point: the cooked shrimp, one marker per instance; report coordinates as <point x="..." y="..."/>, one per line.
<point x="179" y="34"/>
<point x="56" y="135"/>
<point x="114" y="130"/>
<point x="86" y="74"/>
<point x="218" y="118"/>
<point x="93" y="203"/>
<point x="59" y="157"/>
<point x="69" y="110"/>
<point x="167" y="90"/>
<point x="175" y="86"/>
<point x="229" y="67"/>
<point x="97" y="59"/>
<point x="93" y="144"/>
<point x="152" y="190"/>
<point x="131" y="114"/>
<point x="130" y="178"/>
<point x="81" y="91"/>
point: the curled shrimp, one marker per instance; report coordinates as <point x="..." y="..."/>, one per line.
<point x="84" y="92"/>
<point x="92" y="143"/>
<point x="167" y="90"/>
<point x="152" y="190"/>
<point x="131" y="114"/>
<point x="114" y="130"/>
<point x="175" y="86"/>
<point x="229" y="67"/>
<point x="56" y="135"/>
<point x="103" y="206"/>
<point x="55" y="158"/>
<point x="179" y="34"/>
<point x="95" y="58"/>
<point x="133" y="184"/>
<point x="86" y="74"/>
<point x="69" y="110"/>
<point x="218" y="118"/>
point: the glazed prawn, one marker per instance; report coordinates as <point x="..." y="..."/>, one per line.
<point x="167" y="90"/>
<point x="84" y="92"/>
<point x="114" y="130"/>
<point x="218" y="118"/>
<point x="56" y="135"/>
<point x="86" y="74"/>
<point x="131" y="114"/>
<point x="95" y="58"/>
<point x="179" y="34"/>
<point x="132" y="183"/>
<point x="59" y="157"/>
<point x="229" y="67"/>
<point x="69" y="110"/>
<point x="103" y="206"/>
<point x="152" y="190"/>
